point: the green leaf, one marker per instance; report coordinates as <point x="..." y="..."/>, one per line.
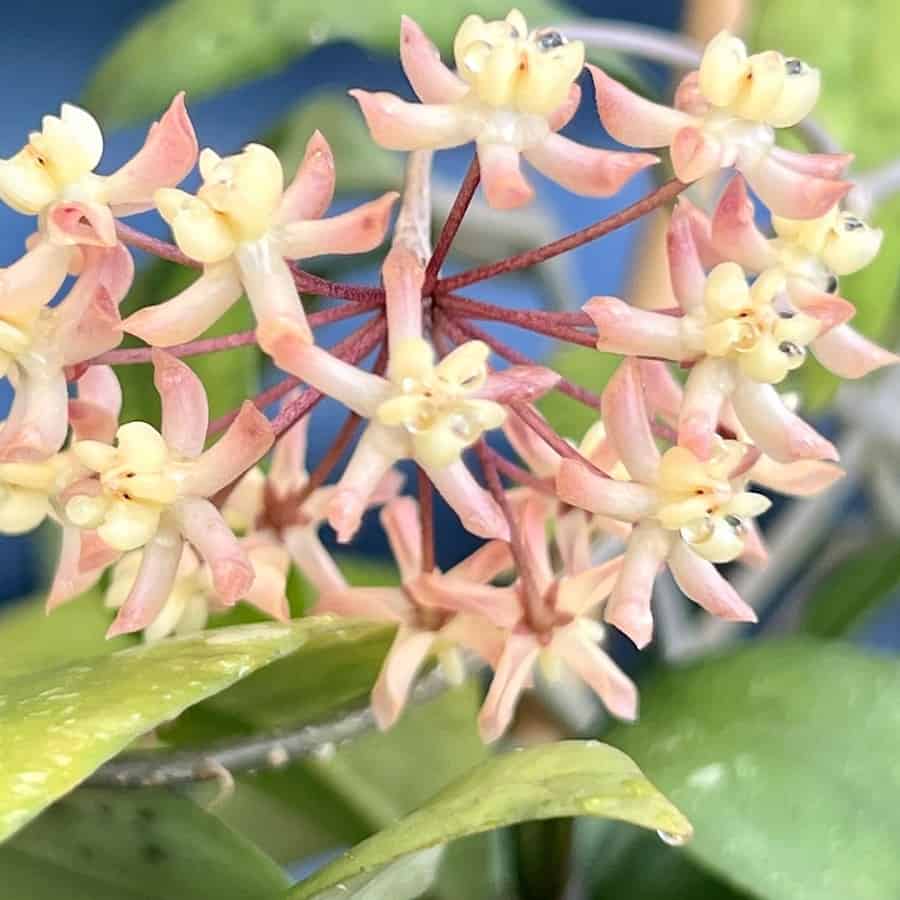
<point x="853" y="590"/>
<point x="134" y="845"/>
<point x="58" y="725"/>
<point x="584" y="367"/>
<point x="863" y="121"/>
<point x="404" y="879"/>
<point x="210" y="45"/>
<point x="31" y="640"/>
<point x="564" y="779"/>
<point x="784" y="757"/>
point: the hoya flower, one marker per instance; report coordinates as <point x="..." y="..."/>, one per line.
<point x="52" y="177"/>
<point x="193" y="597"/>
<point x="267" y="507"/>
<point x="512" y="91"/>
<point x="687" y="512"/>
<point x="425" y="627"/>
<point x="151" y="490"/>
<point x="725" y="116"/>
<point x="741" y="339"/>
<point x="37" y="343"/>
<point x="241" y="225"/>
<point x="811" y="254"/>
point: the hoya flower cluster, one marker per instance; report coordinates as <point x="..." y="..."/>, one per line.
<point x="191" y="518"/>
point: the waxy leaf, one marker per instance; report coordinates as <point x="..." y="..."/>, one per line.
<point x="59" y="724"/>
<point x="112" y="844"/>
<point x="565" y="779"/>
<point x="785" y="758"/>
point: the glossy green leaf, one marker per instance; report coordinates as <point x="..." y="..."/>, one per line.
<point x="858" y="106"/>
<point x="209" y="45"/>
<point x="31" y="640"/>
<point x="134" y="845"/>
<point x="564" y="779"/>
<point x="58" y="725"/>
<point x="784" y="757"/>
<point x="404" y="879"/>
<point x="853" y="590"/>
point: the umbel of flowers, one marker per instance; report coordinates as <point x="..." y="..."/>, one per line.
<point x="191" y="518"/>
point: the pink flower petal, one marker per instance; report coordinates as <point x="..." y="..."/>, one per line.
<point x="270" y="566"/>
<point x="405" y="658"/>
<point x="512" y="676"/>
<point x="588" y="171"/>
<point x="734" y="230"/>
<point x="151" y="589"/>
<point x="288" y="469"/>
<point x="626" y="329"/>
<point x="804" y="478"/>
<point x="246" y="441"/>
<point x="398" y="125"/>
<point x="535" y="452"/>
<point x="629" y="605"/>
<point x="565" y="112"/>
<point x="755" y="551"/>
<point x="580" y="593"/>
<point x="202" y="524"/>
<point x="694" y="154"/>
<point x="519" y="384"/>
<point x="631" y="119"/>
<point x="32" y="281"/>
<point x="484" y="565"/>
<point x="701" y="581"/>
<point x="685" y="268"/>
<point x="81" y="222"/>
<point x="829" y="309"/>
<point x="606" y="679"/>
<point x="709" y="385"/>
<point x="625" y="417"/>
<point x="622" y="500"/>
<point x="432" y="81"/>
<point x="501" y="606"/>
<point x="476" y="508"/>
<point x="688" y="96"/>
<point x="505" y="187"/>
<point x="83" y="558"/>
<point x="313" y="560"/>
<point x="822" y="165"/>
<point x="310" y="194"/>
<point x="793" y="194"/>
<point x="533" y="535"/>
<point x="774" y="428"/>
<point x="185" y="412"/>
<point x="356" y="231"/>
<point x="168" y="155"/>
<point x="94" y="414"/>
<point x="378" y="604"/>
<point x="662" y="391"/>
<point x="190" y="313"/>
<point x="844" y="351"/>
<point x="403" y="275"/>
<point x="38" y="420"/>
<point x="701" y="231"/>
<point x="400" y="521"/>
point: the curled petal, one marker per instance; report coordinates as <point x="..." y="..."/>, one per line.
<point x="185" y="412"/>
<point x="505" y="187"/>
<point x="565" y="112"/>
<point x="626" y="329"/>
<point x="94" y="414"/>
<point x="398" y="125"/>
<point x="247" y="440"/>
<point x="701" y="581"/>
<point x="32" y="281"/>
<point x="38" y="421"/>
<point x="153" y="584"/>
<point x="625" y="417"/>
<point x="695" y="154"/>
<point x="701" y="231"/>
<point x="81" y="222"/>
<point x="519" y="384"/>
<point x="709" y="385"/>
<point x="189" y="313"/>
<point x="822" y="165"/>
<point x="357" y="231"/>
<point x="777" y="431"/>
<point x="432" y="81"/>
<point x="844" y="351"/>
<point x="476" y="508"/>
<point x="663" y="392"/>
<point x="755" y="551"/>
<point x="288" y="469"/>
<point x="485" y="564"/>
<point x="734" y="231"/>
<point x="400" y="520"/>
<point x="629" y="605"/>
<point x="168" y="155"/>
<point x="622" y="500"/>
<point x="310" y="194"/>
<point x="579" y="594"/>
<point x="313" y="560"/>
<point x="405" y="658"/>
<point x="270" y="566"/>
<point x="202" y="524"/>
<point x="631" y="119"/>
<point x="537" y="454"/>
<point x="685" y="267"/>
<point x="83" y="558"/>
<point x="403" y="275"/>
<point x="500" y="606"/>
<point x="588" y="171"/>
<point x="606" y="679"/>
<point x="383" y="604"/>
<point x="793" y="194"/>
<point x="511" y="677"/>
<point x="803" y="478"/>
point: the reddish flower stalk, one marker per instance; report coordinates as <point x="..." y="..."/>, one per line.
<point x="322" y="287"/>
<point x="163" y="249"/>
<point x="451" y="226"/>
<point x="426" y="514"/>
<point x="654" y="200"/>
<point x="526" y="318"/>
<point x="260" y="401"/>
<point x="523" y="476"/>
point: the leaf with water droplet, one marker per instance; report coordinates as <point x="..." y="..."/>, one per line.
<point x="536" y="783"/>
<point x="108" y="844"/>
<point x="62" y="723"/>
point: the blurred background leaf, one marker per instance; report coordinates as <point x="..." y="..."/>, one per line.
<point x="783" y="755"/>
